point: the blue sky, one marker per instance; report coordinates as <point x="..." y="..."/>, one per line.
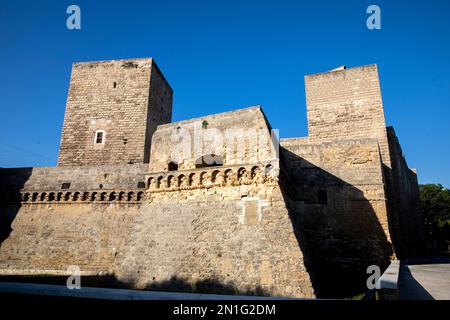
<point x="222" y="55"/>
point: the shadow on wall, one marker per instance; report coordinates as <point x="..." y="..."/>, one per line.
<point x="406" y="221"/>
<point x="209" y="285"/>
<point x="336" y="227"/>
<point x="174" y="284"/>
<point x="11" y="182"/>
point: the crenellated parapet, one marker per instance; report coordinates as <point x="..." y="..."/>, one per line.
<point x="61" y="197"/>
<point x="216" y="176"/>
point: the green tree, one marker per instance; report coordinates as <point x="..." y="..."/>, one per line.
<point x="436" y="207"/>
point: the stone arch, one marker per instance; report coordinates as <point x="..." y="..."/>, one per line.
<point x="112" y="196"/>
<point x="150" y="181"/>
<point x="182" y="181"/>
<point x="85" y="196"/>
<point x="76" y="196"/>
<point x="93" y="196"/>
<point x="59" y="196"/>
<point x="170" y="181"/>
<point x="139" y="195"/>
<point x="121" y="195"/>
<point x="34" y="196"/>
<point x="42" y="196"/>
<point x="256" y="174"/>
<point x="242" y="174"/>
<point x="229" y="177"/>
<point x="214" y="174"/>
<point x="191" y="179"/>
<point x="160" y="182"/>
<point x="130" y="196"/>
<point x="67" y="196"/>
<point x="103" y="196"/>
<point x="26" y="196"/>
<point x="203" y="178"/>
<point x="217" y="177"/>
<point x="51" y="196"/>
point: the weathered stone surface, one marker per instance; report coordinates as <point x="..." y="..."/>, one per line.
<point x="126" y="99"/>
<point x="305" y="221"/>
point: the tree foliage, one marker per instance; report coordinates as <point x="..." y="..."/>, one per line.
<point x="436" y="207"/>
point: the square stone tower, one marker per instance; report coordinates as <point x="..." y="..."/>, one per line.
<point x="113" y="108"/>
<point x="345" y="103"/>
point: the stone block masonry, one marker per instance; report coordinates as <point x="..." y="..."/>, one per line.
<point x="124" y="100"/>
<point x="339" y="196"/>
<point x="230" y="237"/>
<point x="127" y="176"/>
<point x="194" y="239"/>
<point x="306" y="221"/>
<point x="346" y="104"/>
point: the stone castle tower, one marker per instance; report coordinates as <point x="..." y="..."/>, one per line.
<point x="306" y="222"/>
<point x="346" y="103"/>
<point x="112" y="111"/>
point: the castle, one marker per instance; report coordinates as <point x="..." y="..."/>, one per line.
<point x="216" y="203"/>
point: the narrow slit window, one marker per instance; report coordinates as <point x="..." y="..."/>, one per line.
<point x="99" y="137"/>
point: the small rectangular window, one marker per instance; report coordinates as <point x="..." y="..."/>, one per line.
<point x="65" y="185"/>
<point x="141" y="184"/>
<point x="99" y="136"/>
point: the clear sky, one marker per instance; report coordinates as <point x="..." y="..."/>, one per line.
<point x="223" y="55"/>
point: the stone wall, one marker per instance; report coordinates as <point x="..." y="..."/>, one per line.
<point x="45" y="237"/>
<point x="304" y="222"/>
<point x="160" y="106"/>
<point x="235" y="137"/>
<point x="233" y="237"/>
<point x="230" y="235"/>
<point x="80" y="178"/>
<point x="407" y="220"/>
<point x="52" y="217"/>
<point x="338" y="194"/>
<point x="346" y="104"/>
<point x="124" y="98"/>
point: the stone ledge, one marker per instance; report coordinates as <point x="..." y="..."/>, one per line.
<point x="388" y="283"/>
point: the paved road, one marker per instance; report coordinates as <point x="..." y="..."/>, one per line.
<point x="429" y="280"/>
